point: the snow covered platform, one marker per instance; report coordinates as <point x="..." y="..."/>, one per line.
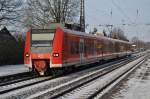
<point x="12" y="69"/>
<point x="137" y="86"/>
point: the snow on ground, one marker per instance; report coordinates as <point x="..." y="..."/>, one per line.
<point x="90" y="88"/>
<point x="12" y="69"/>
<point x="137" y="86"/>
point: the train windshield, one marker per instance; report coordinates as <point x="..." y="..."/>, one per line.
<point x="42" y="40"/>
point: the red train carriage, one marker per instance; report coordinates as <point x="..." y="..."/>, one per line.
<point x="58" y="48"/>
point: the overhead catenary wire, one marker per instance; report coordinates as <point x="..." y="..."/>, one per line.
<point x="122" y="11"/>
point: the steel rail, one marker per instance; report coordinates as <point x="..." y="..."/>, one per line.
<point x="69" y="86"/>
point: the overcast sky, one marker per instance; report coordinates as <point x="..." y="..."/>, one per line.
<point x="123" y="12"/>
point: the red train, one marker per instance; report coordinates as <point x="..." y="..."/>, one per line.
<point x="58" y="48"/>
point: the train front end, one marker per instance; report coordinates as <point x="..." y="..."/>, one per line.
<point x="38" y="47"/>
<point x="40" y="51"/>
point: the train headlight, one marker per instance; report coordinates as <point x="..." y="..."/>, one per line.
<point x="27" y="55"/>
<point x="55" y="54"/>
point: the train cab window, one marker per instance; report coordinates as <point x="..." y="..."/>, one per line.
<point x="42" y="40"/>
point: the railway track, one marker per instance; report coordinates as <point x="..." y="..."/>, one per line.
<point x="97" y="89"/>
<point x="21" y="84"/>
<point x="75" y="85"/>
<point x="58" y="86"/>
<point x="10" y="79"/>
<point x="20" y="80"/>
<point x="104" y="92"/>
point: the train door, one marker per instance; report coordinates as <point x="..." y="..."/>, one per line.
<point x="81" y="47"/>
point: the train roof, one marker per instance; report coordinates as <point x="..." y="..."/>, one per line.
<point x="93" y="36"/>
<point x="61" y="26"/>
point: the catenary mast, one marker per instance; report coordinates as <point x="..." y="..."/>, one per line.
<point x="82" y="16"/>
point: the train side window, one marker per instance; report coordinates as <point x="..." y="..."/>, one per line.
<point x="93" y="47"/>
<point x="81" y="47"/>
<point x="85" y="48"/>
<point x="111" y="48"/>
<point x="106" y="46"/>
<point x="117" y="47"/>
<point x="99" y="47"/>
<point x="76" y="48"/>
<point x="72" y="47"/>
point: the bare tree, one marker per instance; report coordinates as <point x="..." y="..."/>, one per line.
<point x="147" y="45"/>
<point x="34" y="14"/>
<point x="104" y="32"/>
<point x="9" y="11"/>
<point x="39" y="13"/>
<point x="138" y="43"/>
<point x="63" y="10"/>
<point x="118" y="33"/>
<point x="135" y="39"/>
<point x="94" y="31"/>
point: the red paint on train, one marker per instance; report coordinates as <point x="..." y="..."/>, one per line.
<point x="69" y="48"/>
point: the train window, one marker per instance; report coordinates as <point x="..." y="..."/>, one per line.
<point x="42" y="37"/>
<point x="88" y="49"/>
<point x="95" y="49"/>
<point x="99" y="46"/>
<point x="117" y="47"/>
<point x="71" y="47"/>
<point x="85" y="48"/>
<point x="42" y="40"/>
<point x="111" y="48"/>
<point x="113" y="44"/>
<point x="82" y="47"/>
<point x="105" y="46"/>
<point x="77" y="48"/>
<point x="92" y="48"/>
<point x="74" y="46"/>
